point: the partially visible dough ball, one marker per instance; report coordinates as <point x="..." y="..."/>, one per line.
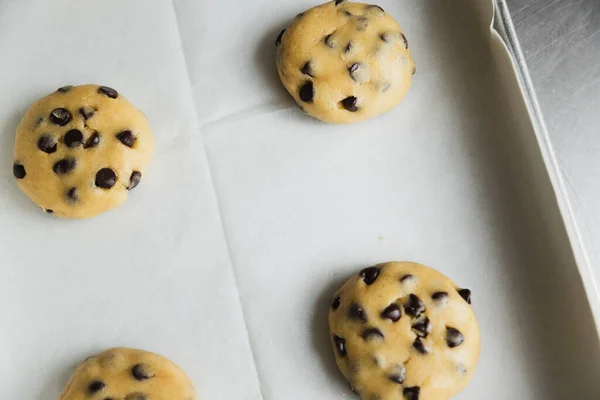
<point x="80" y="150"/>
<point x="403" y="331"/>
<point x="128" y="374"/>
<point x="345" y="62"/>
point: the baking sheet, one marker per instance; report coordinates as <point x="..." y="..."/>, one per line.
<point x="252" y="214"/>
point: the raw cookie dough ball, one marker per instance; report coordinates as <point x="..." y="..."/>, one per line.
<point x="79" y="150"/>
<point x="345" y="62"/>
<point x="127" y="374"/>
<point x="403" y="331"/>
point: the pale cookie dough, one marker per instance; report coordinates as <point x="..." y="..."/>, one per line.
<point x="403" y="331"/>
<point x="127" y="374"/>
<point x="80" y="150"/>
<point x="345" y="62"/>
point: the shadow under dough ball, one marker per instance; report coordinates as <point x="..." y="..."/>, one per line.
<point x="345" y="62"/>
<point x="80" y="150"/>
<point x="404" y="331"/>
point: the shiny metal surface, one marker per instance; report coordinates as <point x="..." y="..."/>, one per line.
<point x="561" y="43"/>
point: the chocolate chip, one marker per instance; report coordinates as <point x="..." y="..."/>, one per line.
<point x="329" y="42"/>
<point x="405" y="40"/>
<point x="48" y="211"/>
<point x="357" y="312"/>
<point x="372" y="333"/>
<point x="419" y="346"/>
<point x="134" y="180"/>
<point x="72" y="195"/>
<point x="73" y="138"/>
<point x="440" y="296"/>
<point x="414" y="70"/>
<point x="95" y="387"/>
<point x="279" y="37"/>
<point x="369" y="274"/>
<point x="353" y="68"/>
<point x="86" y="112"/>
<point x="64" y="166"/>
<point x="422" y="328"/>
<point x="414" y="307"/>
<point x="340" y="345"/>
<point x="465" y="294"/>
<point x="335" y="303"/>
<point x="338" y="2"/>
<point x="385" y="37"/>
<point x="141" y="372"/>
<point x="92" y="141"/>
<point x="374" y="6"/>
<point x="60" y="116"/>
<point x="453" y="337"/>
<point x="349" y="103"/>
<point x="136" y="396"/>
<point x="406" y="278"/>
<point x="348" y="48"/>
<point x="65" y="89"/>
<point x="398" y="375"/>
<point x="348" y="13"/>
<point x="411" y="393"/>
<point x="307" y="69"/>
<point x="392" y="312"/>
<point x="106" y="178"/>
<point x="362" y="23"/>
<point x="359" y="72"/>
<point x="108" y="91"/>
<point x="127" y="138"/>
<point x="19" y="171"/>
<point x="300" y="15"/>
<point x="47" y="144"/>
<point x="307" y="92"/>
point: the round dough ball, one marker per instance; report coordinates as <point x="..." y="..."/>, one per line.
<point x="403" y="331"/>
<point x="345" y="62"/>
<point x="128" y="374"/>
<point x="79" y="150"/>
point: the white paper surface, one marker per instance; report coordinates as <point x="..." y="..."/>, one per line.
<point x="252" y="214"/>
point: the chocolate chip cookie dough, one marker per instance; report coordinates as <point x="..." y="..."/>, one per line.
<point x="345" y="62"/>
<point x="127" y="374"/>
<point x="80" y="150"/>
<point x="403" y="331"/>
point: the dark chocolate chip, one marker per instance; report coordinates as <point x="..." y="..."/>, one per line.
<point x="369" y="274"/>
<point x="109" y="398"/>
<point x="338" y="2"/>
<point x="357" y="312"/>
<point x="307" y="92"/>
<point x="48" y="211"/>
<point x="108" y="91"/>
<point x="335" y="303"/>
<point x="39" y="121"/>
<point x="73" y="138"/>
<point x="465" y="294"/>
<point x="453" y="337"/>
<point x="86" y="112"/>
<point x="439" y="296"/>
<point x="47" y="144"/>
<point x="141" y="372"/>
<point x="385" y="37"/>
<point x="349" y="103"/>
<point x="392" y="312"/>
<point x="72" y="195"/>
<point x="127" y="138"/>
<point x="398" y="375"/>
<point x="422" y="328"/>
<point x="299" y="15"/>
<point x="406" y="278"/>
<point x="19" y="170"/>
<point x="279" y="37"/>
<point x="60" y="116"/>
<point x="92" y="141"/>
<point x="405" y="40"/>
<point x="372" y="6"/>
<point x="134" y="180"/>
<point x="136" y="396"/>
<point x="372" y="333"/>
<point x="348" y="13"/>
<point x="307" y="69"/>
<point x="64" y="166"/>
<point x="355" y="72"/>
<point x="95" y="387"/>
<point x="348" y="48"/>
<point x="106" y="178"/>
<point x="414" y="306"/>
<point x="340" y="345"/>
<point x="419" y="346"/>
<point x="411" y="393"/>
<point x="414" y="70"/>
<point x="328" y="42"/>
<point x="65" y="89"/>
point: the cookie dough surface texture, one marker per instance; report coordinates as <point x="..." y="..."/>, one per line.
<point x="403" y="331"/>
<point x="345" y="62"/>
<point x="128" y="374"/>
<point x="80" y="150"/>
